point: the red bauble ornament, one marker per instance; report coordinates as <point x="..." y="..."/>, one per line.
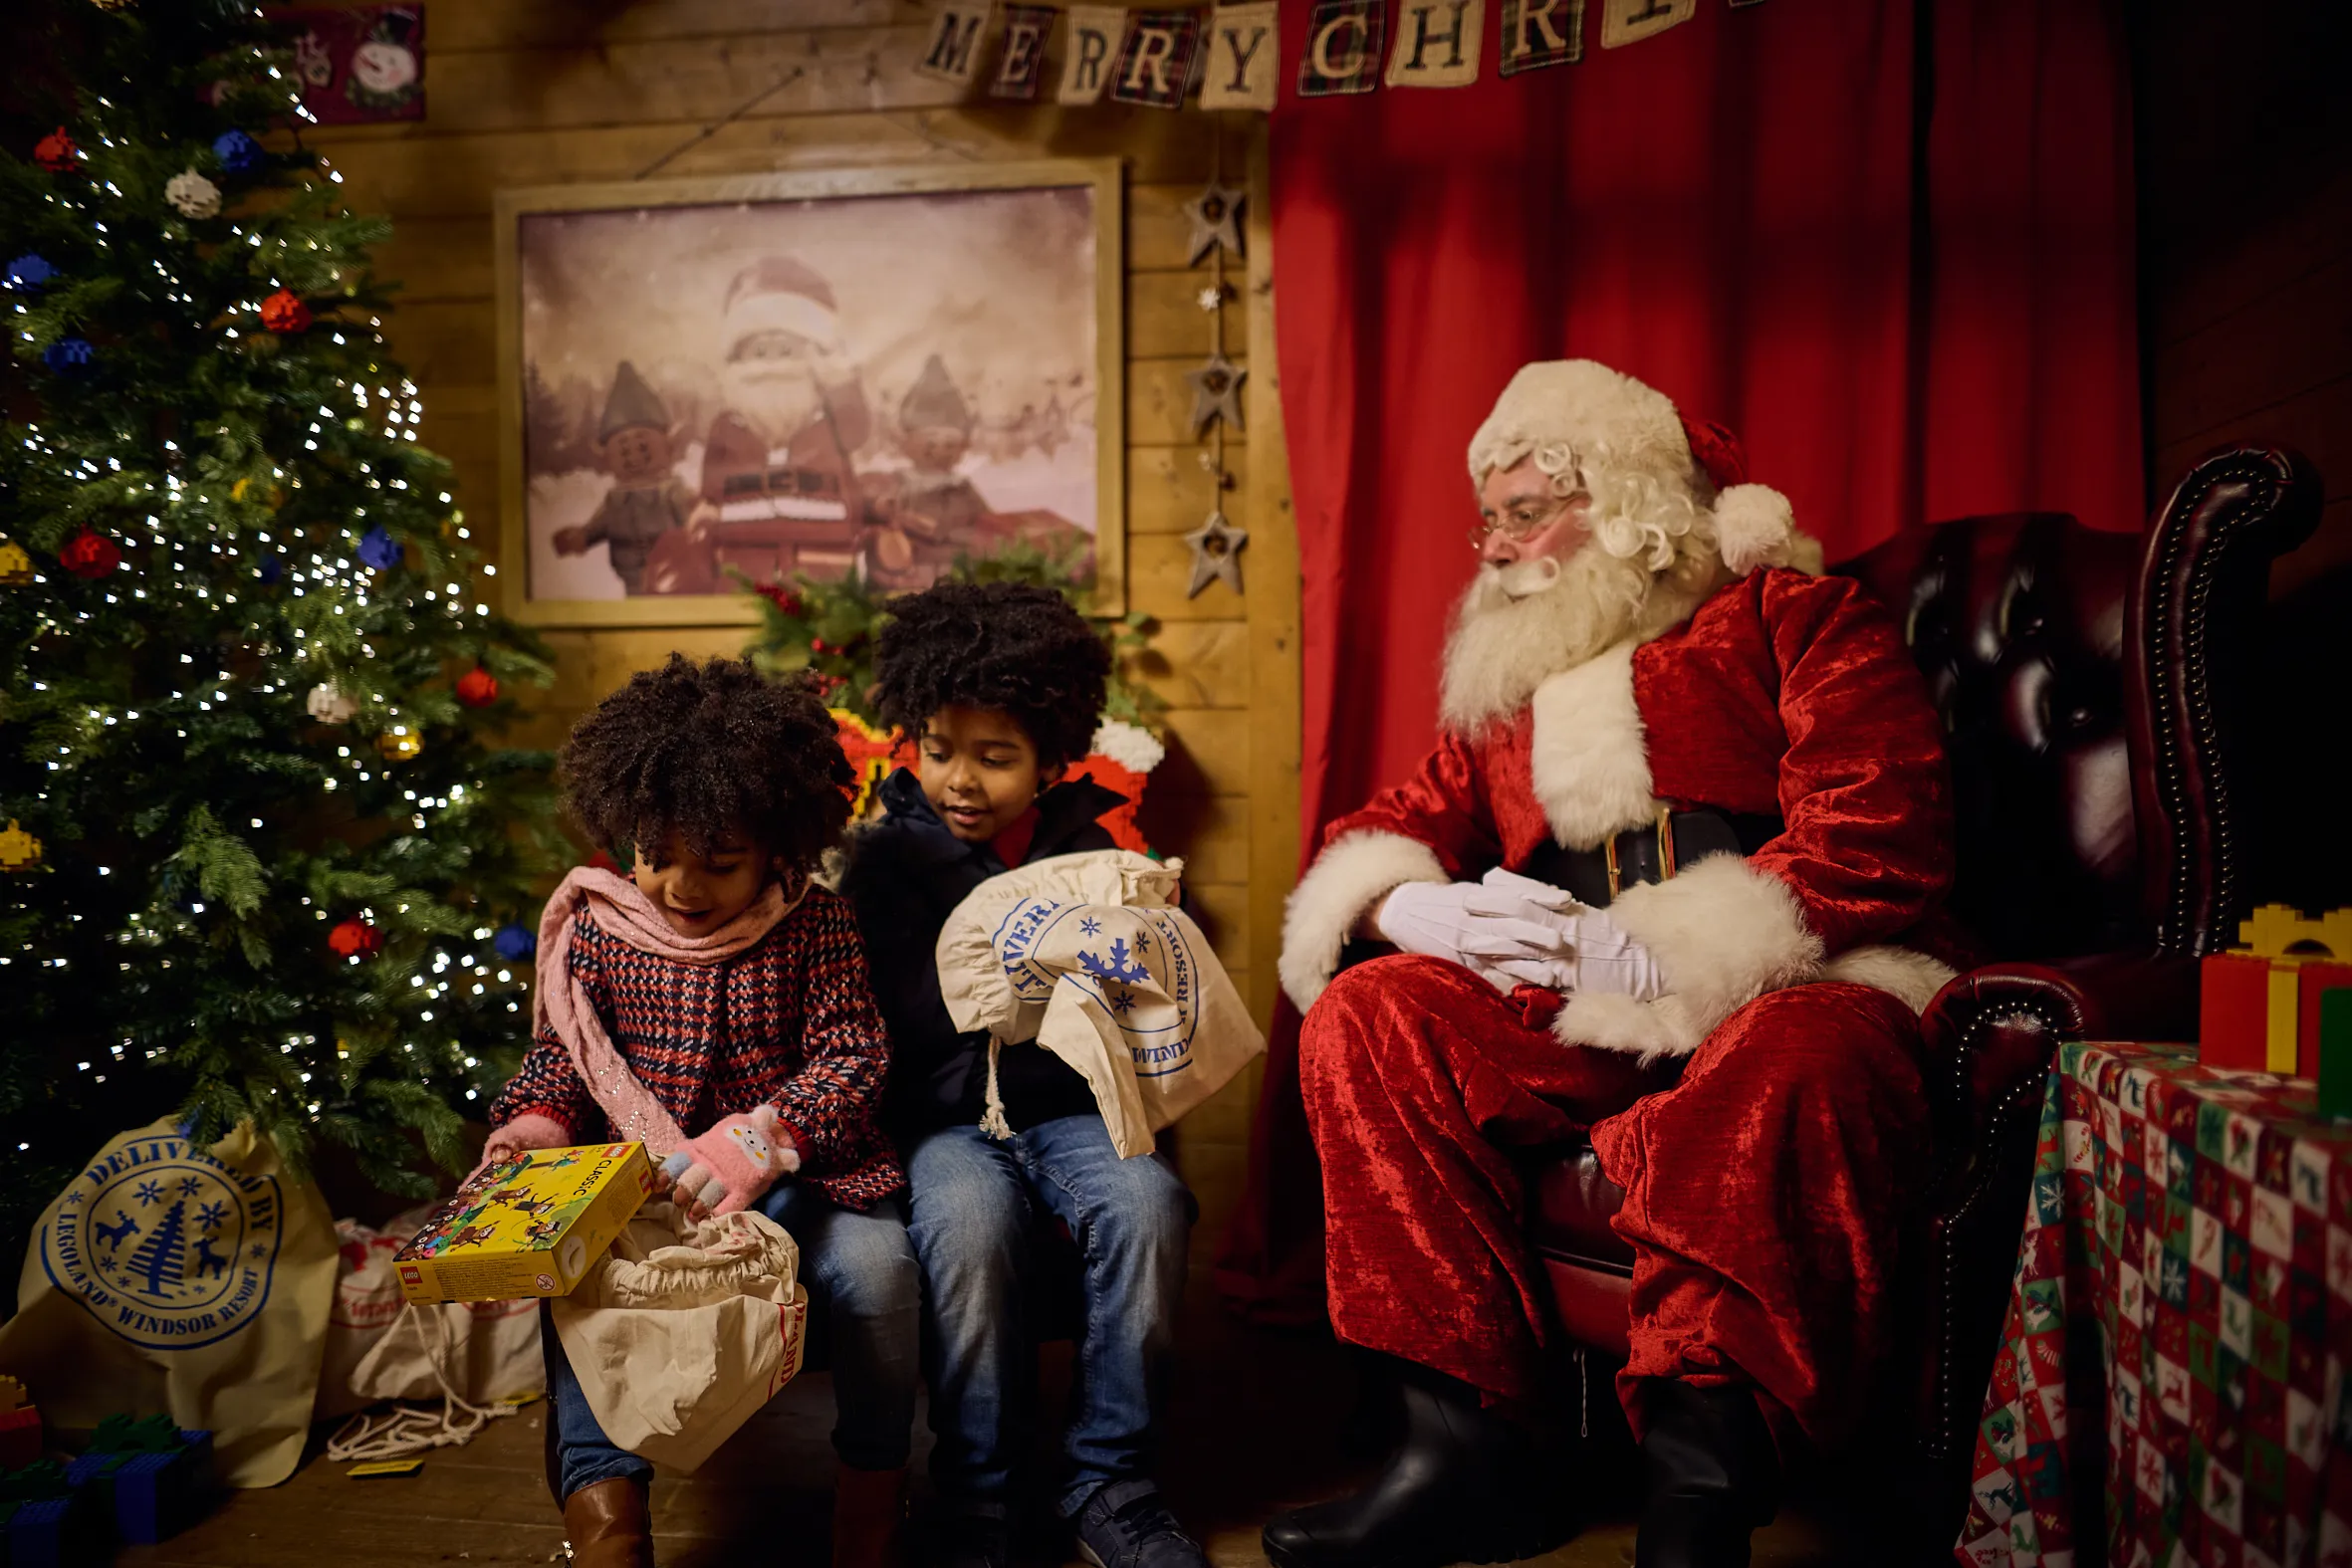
<point x="56" y="152"/>
<point x="282" y="312"/>
<point x="477" y="688"/>
<point x="354" y="938"/>
<point x="89" y="554"/>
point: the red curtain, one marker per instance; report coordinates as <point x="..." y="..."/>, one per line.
<point x="1888" y="241"/>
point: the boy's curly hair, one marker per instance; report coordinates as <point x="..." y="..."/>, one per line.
<point x="1011" y="646"/>
<point x="705" y="749"/>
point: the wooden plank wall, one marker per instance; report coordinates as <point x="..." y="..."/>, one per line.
<point x="544" y="92"/>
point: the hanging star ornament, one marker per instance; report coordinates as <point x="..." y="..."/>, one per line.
<point x="1216" y="218"/>
<point x="1216" y="394"/>
<point x="1216" y="552"/>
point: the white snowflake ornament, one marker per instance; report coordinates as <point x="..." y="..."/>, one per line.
<point x="328" y="706"/>
<point x="192" y="195"/>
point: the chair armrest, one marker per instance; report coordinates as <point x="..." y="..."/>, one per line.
<point x="1992" y="1033"/>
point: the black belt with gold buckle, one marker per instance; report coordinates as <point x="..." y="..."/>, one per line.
<point x="1672" y="841"/>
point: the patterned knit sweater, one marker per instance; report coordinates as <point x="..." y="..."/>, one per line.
<point x="790" y="1022"/>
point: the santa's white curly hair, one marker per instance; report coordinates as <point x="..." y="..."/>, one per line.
<point x="1653" y="477"/>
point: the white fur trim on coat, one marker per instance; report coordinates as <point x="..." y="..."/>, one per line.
<point x="1723" y="933"/>
<point x="1324" y="908"/>
<point x="1589" y="754"/>
<point x="1913" y="978"/>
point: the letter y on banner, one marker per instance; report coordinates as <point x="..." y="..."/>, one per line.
<point x="1437" y="44"/>
<point x="1342" y="48"/>
<point x="1155" y="65"/>
<point x="1242" y="57"/>
<point x="1020" y="57"/>
<point x="1095" y="33"/>
<point x="952" y="52"/>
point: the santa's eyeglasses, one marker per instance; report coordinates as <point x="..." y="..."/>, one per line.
<point x="1524" y="517"/>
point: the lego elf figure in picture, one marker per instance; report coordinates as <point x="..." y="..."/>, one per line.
<point x="647" y="498"/>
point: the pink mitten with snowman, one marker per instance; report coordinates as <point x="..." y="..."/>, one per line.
<point x="728" y="1166"/>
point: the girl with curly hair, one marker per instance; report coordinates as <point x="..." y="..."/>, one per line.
<point x="716" y="1005"/>
<point x="1000" y="686"/>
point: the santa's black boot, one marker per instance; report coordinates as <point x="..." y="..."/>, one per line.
<point x="1464" y="1485"/>
<point x="1714" y="1472"/>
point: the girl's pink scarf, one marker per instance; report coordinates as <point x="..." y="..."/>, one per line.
<point x="562" y="1004"/>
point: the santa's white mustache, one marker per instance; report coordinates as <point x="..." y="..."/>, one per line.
<point x="1518" y="580"/>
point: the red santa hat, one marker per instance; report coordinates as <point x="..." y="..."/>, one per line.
<point x="782" y="292"/>
<point x="1564" y="412"/>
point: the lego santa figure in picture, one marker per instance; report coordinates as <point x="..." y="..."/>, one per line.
<point x="1669" y="880"/>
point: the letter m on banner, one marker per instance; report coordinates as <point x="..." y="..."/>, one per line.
<point x="1155" y="67"/>
<point x="1343" y="40"/>
<point x="952" y="51"/>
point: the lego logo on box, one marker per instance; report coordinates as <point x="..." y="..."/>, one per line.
<point x="410" y="1275"/>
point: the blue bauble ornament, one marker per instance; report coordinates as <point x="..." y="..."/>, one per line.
<point x="270" y="570"/>
<point x="515" y="942"/>
<point x="378" y="549"/>
<point x="68" y="355"/>
<point x="29" y="272"/>
<point x="238" y="153"/>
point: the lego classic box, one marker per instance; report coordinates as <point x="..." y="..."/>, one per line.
<point x="528" y="1226"/>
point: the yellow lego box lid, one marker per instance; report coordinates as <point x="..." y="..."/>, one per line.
<point x="531" y="1203"/>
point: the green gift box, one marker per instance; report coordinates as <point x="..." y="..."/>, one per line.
<point x="2335" y="1052"/>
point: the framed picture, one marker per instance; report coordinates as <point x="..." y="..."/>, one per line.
<point x="869" y="370"/>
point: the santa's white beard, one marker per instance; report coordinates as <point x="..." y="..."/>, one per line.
<point x="778" y="397"/>
<point x="1517" y="625"/>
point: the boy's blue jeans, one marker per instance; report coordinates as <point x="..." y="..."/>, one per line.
<point x="864" y="1290"/>
<point x="973" y="1204"/>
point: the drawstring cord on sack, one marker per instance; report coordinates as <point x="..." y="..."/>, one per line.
<point x="992" y="1115"/>
<point x="405" y="1430"/>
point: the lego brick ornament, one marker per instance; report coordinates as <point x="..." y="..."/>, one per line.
<point x="2258" y="1005"/>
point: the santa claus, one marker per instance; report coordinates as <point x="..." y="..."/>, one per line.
<point x="1668" y="881"/>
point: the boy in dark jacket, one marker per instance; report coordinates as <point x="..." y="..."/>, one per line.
<point x="1000" y="686"/>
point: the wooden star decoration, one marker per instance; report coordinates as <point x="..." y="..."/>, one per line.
<point x="1216" y="394"/>
<point x="1215" y="215"/>
<point x="1216" y="552"/>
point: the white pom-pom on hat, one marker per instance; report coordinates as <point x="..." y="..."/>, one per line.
<point x="1754" y="526"/>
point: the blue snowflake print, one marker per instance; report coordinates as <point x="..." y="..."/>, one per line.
<point x="1142" y="942"/>
<point x="1124" y="1004"/>
<point x="150" y="1192"/>
<point x="214" y="1216"/>
<point x="1091" y="927"/>
<point x="190" y="1186"/>
<point x="260" y="1250"/>
<point x="74" y="1196"/>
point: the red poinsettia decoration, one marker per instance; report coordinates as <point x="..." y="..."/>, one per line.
<point x="354" y="938"/>
<point x="477" y="688"/>
<point x="91" y="555"/>
<point x="284" y="312"/>
<point x="56" y="152"/>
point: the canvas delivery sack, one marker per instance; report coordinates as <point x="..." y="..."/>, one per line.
<point x="685" y="1330"/>
<point x="1088" y="955"/>
<point x="170" y="1277"/>
<point x="379" y="1345"/>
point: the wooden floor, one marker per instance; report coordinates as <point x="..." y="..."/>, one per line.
<point x="1254" y="1429"/>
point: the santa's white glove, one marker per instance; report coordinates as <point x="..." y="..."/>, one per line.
<point x="1478" y="929"/>
<point x="1597" y="953"/>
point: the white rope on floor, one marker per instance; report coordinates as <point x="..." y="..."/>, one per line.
<point x="413" y="1429"/>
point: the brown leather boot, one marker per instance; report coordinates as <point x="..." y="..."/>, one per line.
<point x="869" y="1508"/>
<point x="610" y="1525"/>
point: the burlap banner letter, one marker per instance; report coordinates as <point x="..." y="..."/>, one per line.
<point x="1095" y="33"/>
<point x="1155" y="67"/>
<point x="1342" y="48"/>
<point x="1242" y="56"/>
<point x="1021" y="55"/>
<point x="1437" y="44"/>
<point x="952" y="52"/>
<point x="1539" y="32"/>
<point x="1630" y="20"/>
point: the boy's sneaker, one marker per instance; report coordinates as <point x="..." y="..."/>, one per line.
<point x="1126" y="1525"/>
<point x="974" y="1540"/>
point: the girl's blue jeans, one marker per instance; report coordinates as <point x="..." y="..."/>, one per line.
<point x="864" y="1297"/>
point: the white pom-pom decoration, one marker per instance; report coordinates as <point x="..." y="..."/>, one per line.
<point x="328" y="706"/>
<point x="1130" y="745"/>
<point x="1755" y="527"/>
<point x="192" y="195"/>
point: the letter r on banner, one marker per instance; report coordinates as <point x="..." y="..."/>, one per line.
<point x="1155" y="65"/>
<point x="1437" y="44"/>
<point x="1020" y="57"/>
<point x="1096" y="34"/>
<point x="1539" y="32"/>
<point x="1342" y="48"/>
<point x="952" y="52"/>
<point x="1242" y="56"/>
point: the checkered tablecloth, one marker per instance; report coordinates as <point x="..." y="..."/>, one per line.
<point x="2179" y="1327"/>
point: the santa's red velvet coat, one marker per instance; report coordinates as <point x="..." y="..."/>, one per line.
<point x="1766" y="1116"/>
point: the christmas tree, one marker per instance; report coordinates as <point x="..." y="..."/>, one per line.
<point x="260" y="856"/>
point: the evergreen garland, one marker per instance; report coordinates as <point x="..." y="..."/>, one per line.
<point x="248" y="693"/>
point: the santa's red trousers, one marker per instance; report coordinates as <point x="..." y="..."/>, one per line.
<point x="1765" y="1185"/>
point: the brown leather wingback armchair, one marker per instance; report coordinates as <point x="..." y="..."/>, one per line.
<point x="2089" y="684"/>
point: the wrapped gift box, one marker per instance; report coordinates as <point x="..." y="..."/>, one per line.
<point x="2260" y="1004"/>
<point x="51" y="1523"/>
<point x="528" y="1226"/>
<point x="152" y="1478"/>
